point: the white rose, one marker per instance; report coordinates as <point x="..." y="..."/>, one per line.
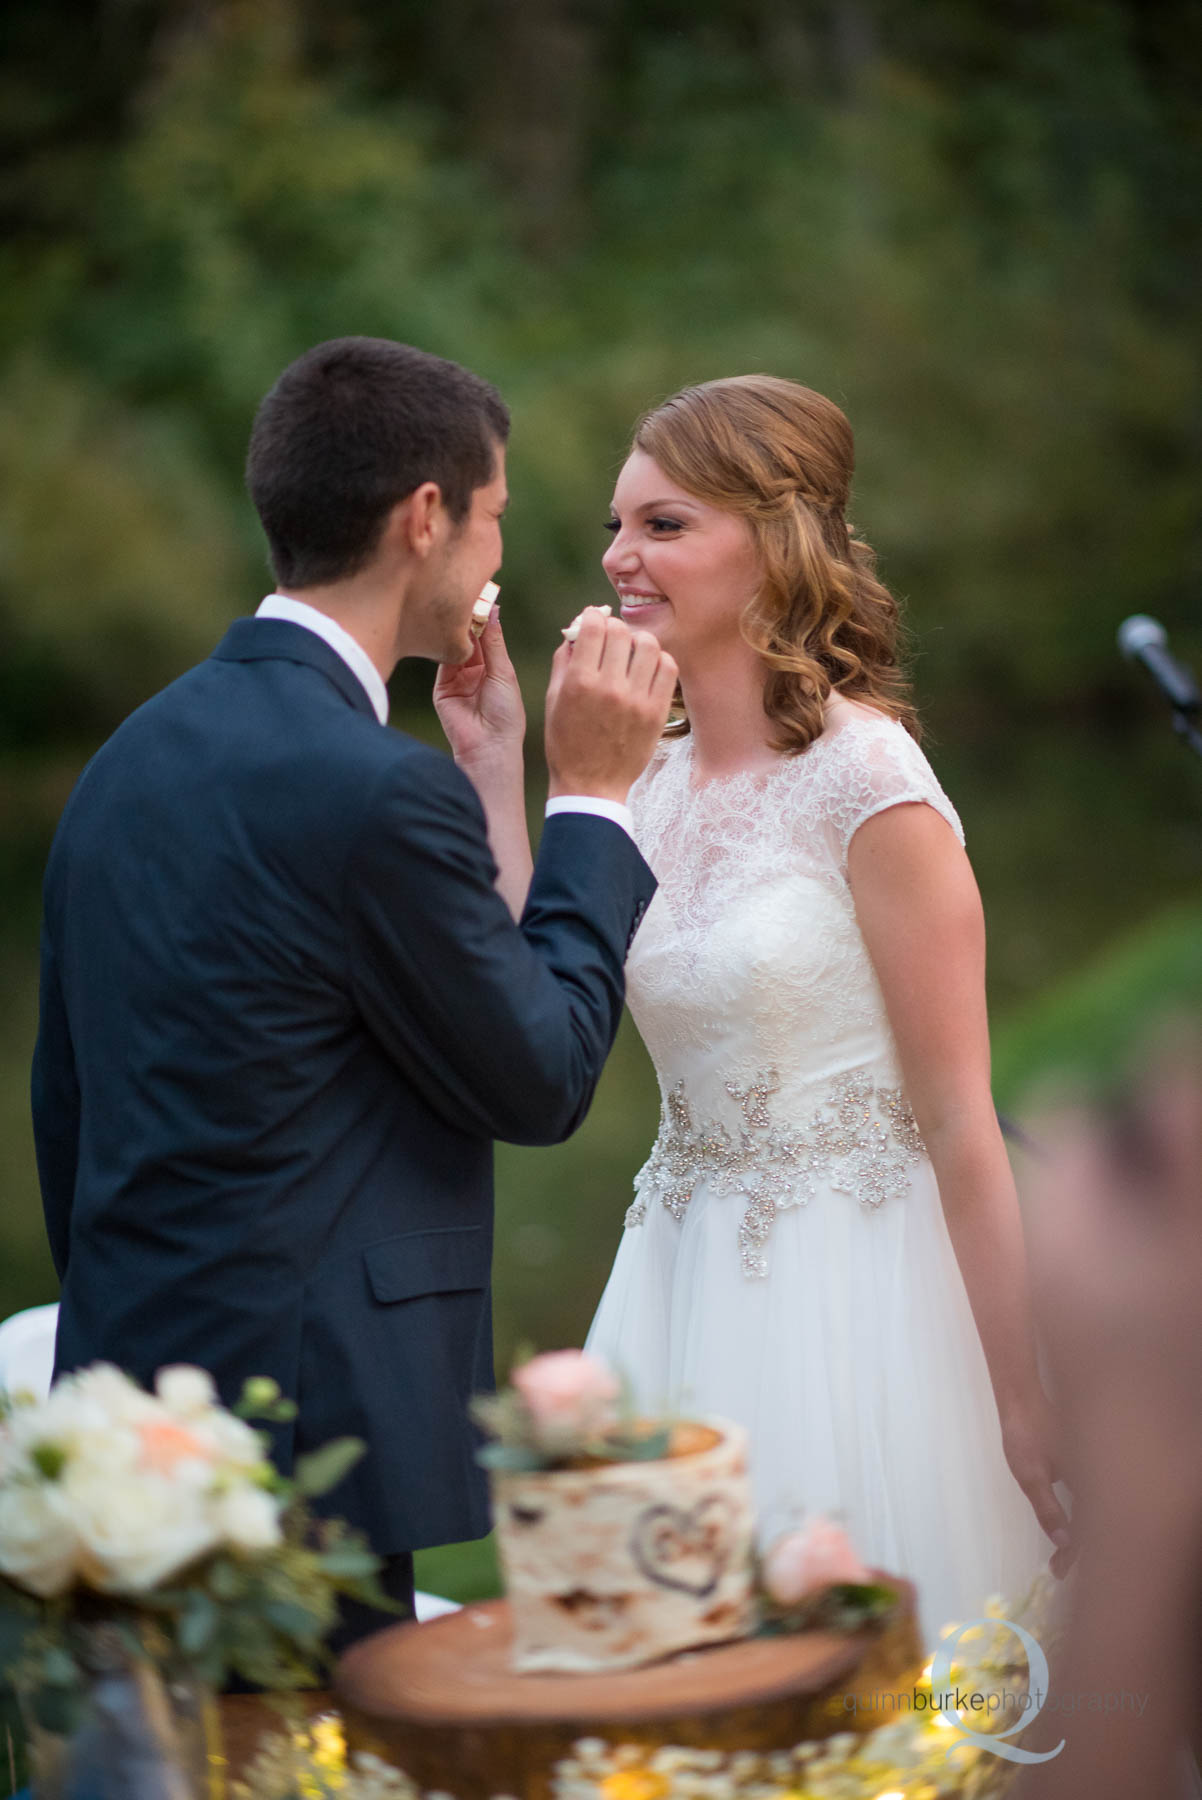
<point x="185" y="1390"/>
<point x="62" y="1419"/>
<point x="232" y="1440"/>
<point x="122" y="1400"/>
<point x="248" y="1517"/>
<point x="136" y="1528"/>
<point x="91" y="1414"/>
<point x="38" y="1544"/>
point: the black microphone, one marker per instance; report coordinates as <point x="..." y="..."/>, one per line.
<point x="1146" y="641"/>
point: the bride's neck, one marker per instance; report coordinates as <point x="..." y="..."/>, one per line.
<point x="730" y="728"/>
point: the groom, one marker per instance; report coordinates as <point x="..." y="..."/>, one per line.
<point x="285" y="1007"/>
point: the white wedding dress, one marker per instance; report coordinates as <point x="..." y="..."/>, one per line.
<point x="786" y="1262"/>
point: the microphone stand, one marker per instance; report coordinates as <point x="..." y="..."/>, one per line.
<point x="1184" y="726"/>
<point x="1144" y="640"/>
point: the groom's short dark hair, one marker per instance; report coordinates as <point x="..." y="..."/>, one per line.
<point x="351" y="428"/>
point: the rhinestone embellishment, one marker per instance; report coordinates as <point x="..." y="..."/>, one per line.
<point x="861" y="1139"/>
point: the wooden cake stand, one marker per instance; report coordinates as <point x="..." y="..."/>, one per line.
<point x="441" y="1702"/>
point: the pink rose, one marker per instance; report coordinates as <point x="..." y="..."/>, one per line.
<point x="569" y="1396"/>
<point x="807" y="1561"/>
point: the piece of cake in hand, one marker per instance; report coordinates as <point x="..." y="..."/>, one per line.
<point x="572" y="632"/>
<point x="482" y="610"/>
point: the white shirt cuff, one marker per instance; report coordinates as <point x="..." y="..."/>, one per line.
<point x="614" y="810"/>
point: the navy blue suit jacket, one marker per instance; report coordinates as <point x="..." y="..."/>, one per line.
<point x="284" y="1013"/>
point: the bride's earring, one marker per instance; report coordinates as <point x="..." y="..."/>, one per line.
<point x="678" y="719"/>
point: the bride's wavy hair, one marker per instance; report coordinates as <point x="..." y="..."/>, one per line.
<point x="781" y="457"/>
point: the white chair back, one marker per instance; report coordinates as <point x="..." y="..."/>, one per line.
<point x="27" y="1350"/>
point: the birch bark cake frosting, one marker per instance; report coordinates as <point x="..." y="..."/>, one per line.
<point x="619" y="1564"/>
<point x="621" y="1539"/>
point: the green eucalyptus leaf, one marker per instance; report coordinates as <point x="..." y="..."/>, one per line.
<point x="323" y="1469"/>
<point x="57" y="1667"/>
<point x="58" y="1710"/>
<point x="871" y="1595"/>
<point x="351" y="1559"/>
<point x="198" y="1625"/>
<point x="513" y="1459"/>
<point x="293" y="1619"/>
<point x="225" y="1580"/>
<point x="15" y="1630"/>
<point x="634" y="1449"/>
<point x="133" y="1641"/>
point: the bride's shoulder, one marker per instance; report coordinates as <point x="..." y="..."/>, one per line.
<point x="866" y="760"/>
<point x="857" y="734"/>
<point x="857" y="719"/>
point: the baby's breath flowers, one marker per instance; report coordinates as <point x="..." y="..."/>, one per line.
<point x="907" y="1758"/>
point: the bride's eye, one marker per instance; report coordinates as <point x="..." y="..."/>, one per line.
<point x="665" y="524"/>
<point x="610" y="524"/>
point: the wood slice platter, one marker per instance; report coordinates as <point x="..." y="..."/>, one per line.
<point x="246" y="1720"/>
<point x="441" y="1702"/>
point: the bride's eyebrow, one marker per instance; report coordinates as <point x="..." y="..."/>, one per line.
<point x="654" y="506"/>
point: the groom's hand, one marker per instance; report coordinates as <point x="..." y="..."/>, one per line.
<point x="479" y="703"/>
<point x="606" y="707"/>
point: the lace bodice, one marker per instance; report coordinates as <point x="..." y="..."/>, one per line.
<point x="751" y="983"/>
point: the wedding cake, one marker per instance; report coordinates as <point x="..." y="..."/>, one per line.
<point x="632" y="1608"/>
<point x="622" y="1563"/>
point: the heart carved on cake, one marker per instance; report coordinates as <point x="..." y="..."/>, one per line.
<point x="687" y="1550"/>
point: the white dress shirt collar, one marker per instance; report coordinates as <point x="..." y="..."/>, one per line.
<point x="296" y="612"/>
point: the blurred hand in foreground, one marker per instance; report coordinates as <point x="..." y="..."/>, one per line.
<point x="1116" y="1233"/>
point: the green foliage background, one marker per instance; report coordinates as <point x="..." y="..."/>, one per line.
<point x="976" y="227"/>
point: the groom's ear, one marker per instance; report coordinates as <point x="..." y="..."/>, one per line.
<point x="419" y="522"/>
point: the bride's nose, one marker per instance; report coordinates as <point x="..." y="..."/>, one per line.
<point x="619" y="558"/>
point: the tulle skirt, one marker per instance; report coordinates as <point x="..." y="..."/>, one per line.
<point x="856" y="1367"/>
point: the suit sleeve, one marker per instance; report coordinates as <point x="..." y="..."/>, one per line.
<point x="503" y="1028"/>
<point x="55" y="1099"/>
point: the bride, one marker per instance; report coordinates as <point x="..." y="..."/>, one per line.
<point x="825" y="1243"/>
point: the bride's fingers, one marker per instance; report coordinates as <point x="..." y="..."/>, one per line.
<point x="644" y="660"/>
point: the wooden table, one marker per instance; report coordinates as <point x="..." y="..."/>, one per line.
<point x="440" y="1701"/>
<point x="246" y="1720"/>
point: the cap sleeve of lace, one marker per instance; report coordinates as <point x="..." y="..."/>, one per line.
<point x="878" y="765"/>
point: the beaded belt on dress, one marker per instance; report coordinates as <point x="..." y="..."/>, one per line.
<point x="861" y="1139"/>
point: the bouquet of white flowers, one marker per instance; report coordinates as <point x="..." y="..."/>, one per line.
<point x="150" y="1532"/>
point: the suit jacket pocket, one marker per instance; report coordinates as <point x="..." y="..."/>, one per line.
<point x="429" y="1262"/>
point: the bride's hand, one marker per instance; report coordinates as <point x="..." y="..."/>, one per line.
<point x="1030" y="1441"/>
<point x="479" y="702"/>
